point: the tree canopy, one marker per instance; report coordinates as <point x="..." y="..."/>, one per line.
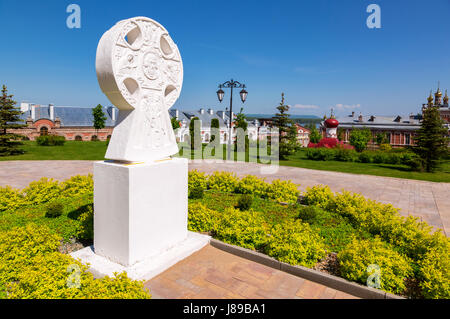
<point x="9" y="119"/>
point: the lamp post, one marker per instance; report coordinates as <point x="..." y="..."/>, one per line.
<point x="220" y="94"/>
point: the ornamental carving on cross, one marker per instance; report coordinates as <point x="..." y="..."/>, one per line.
<point x="139" y="69"/>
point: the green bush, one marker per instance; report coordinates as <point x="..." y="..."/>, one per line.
<point x="345" y="155"/>
<point x="86" y="222"/>
<point x="222" y="181"/>
<point x="318" y="195"/>
<point x="245" y="202"/>
<point x="282" y="191"/>
<point x="365" y="157"/>
<point x="42" y="191"/>
<point x="295" y="243"/>
<point x="50" y="140"/>
<point x="435" y="274"/>
<point x="10" y="199"/>
<point x="356" y="257"/>
<point x="31" y="267"/>
<point x="196" y="192"/>
<point x="394" y="158"/>
<point x="385" y="147"/>
<point x="380" y="158"/>
<point x="200" y="218"/>
<point x="77" y="185"/>
<point x="320" y="154"/>
<point x="308" y="213"/>
<point x="246" y="229"/>
<point x="196" y="179"/>
<point x="54" y="209"/>
<point x="251" y="184"/>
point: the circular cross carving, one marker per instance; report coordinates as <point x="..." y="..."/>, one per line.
<point x="139" y="69"/>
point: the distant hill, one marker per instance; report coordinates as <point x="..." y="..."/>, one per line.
<point x="268" y="116"/>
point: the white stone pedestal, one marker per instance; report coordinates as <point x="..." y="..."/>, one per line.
<point x="140" y="218"/>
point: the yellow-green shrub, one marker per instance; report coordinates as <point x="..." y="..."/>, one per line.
<point x="19" y="245"/>
<point x="242" y="228"/>
<point x="435" y="273"/>
<point x="200" y="218"/>
<point x="77" y="185"/>
<point x="318" y="195"/>
<point x="42" y="191"/>
<point x="10" y="198"/>
<point x="222" y="181"/>
<point x="47" y="276"/>
<point x="282" y="191"/>
<point x="196" y="179"/>
<point x="295" y="243"/>
<point x="251" y="184"/>
<point x="359" y="254"/>
<point x="86" y="219"/>
<point x="31" y="267"/>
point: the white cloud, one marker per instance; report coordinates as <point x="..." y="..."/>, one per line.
<point x="346" y="106"/>
<point x="303" y="106"/>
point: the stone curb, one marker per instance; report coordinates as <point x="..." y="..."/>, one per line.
<point x="306" y="273"/>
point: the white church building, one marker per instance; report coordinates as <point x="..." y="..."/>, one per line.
<point x="254" y="128"/>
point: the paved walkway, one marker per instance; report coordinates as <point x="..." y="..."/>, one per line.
<point x="213" y="273"/>
<point x="426" y="200"/>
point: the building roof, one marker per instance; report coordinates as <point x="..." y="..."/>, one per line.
<point x="397" y="122"/>
<point x="206" y="115"/>
<point x="71" y="116"/>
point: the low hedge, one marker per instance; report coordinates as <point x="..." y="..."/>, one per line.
<point x="411" y="238"/>
<point x="50" y="140"/>
<point x="280" y="191"/>
<point x="395" y="268"/>
<point x="349" y="155"/>
<point x="43" y="191"/>
<point x="31" y="267"/>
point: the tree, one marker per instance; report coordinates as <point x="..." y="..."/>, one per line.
<point x="175" y="123"/>
<point x="359" y="138"/>
<point x="314" y="135"/>
<point x="284" y="123"/>
<point x="9" y="119"/>
<point x="431" y="139"/>
<point x="99" y="117"/>
<point x="194" y="132"/>
<point x="381" y="138"/>
<point x="241" y="123"/>
<point x="214" y="129"/>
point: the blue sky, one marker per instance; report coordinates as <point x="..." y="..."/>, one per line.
<point x="319" y="53"/>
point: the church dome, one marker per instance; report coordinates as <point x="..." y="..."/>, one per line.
<point x="331" y="123"/>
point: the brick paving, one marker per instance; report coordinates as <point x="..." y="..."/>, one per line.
<point x="213" y="273"/>
<point x="426" y="200"/>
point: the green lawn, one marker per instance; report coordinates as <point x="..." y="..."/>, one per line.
<point x="399" y="171"/>
<point x="74" y="150"/>
<point x="71" y="150"/>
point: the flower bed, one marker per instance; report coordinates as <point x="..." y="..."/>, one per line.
<point x="347" y="229"/>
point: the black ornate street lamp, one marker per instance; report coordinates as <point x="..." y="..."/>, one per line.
<point x="220" y="94"/>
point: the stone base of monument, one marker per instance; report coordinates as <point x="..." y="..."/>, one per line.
<point x="144" y="270"/>
<point x="140" y="218"/>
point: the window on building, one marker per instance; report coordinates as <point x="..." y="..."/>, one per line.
<point x="78" y="138"/>
<point x="388" y="137"/>
<point x="407" y="139"/>
<point x="94" y="138"/>
<point x="44" y="131"/>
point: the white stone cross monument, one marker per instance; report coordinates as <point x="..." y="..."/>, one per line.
<point x="140" y="195"/>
